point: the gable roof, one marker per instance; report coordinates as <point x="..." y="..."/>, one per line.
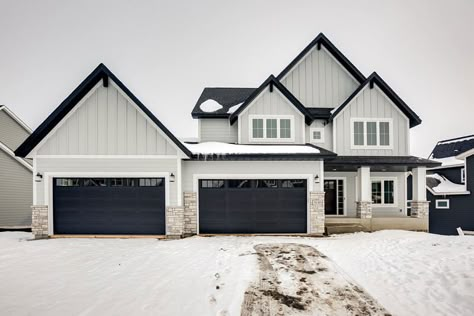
<point x="25" y="163"/>
<point x="274" y="82"/>
<point x="100" y="73"/>
<point x="374" y="78"/>
<point x="5" y="109"/>
<point x="226" y="97"/>
<point x="321" y="39"/>
<point x="452" y="147"/>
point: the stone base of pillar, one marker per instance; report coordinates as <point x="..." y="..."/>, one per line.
<point x="316" y="215"/>
<point x="190" y="213"/>
<point x="174" y="222"/>
<point x="419" y="209"/>
<point x="39" y="221"/>
<point x="364" y="209"/>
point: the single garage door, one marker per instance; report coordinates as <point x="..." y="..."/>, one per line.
<point x="252" y="206"/>
<point x="122" y="206"/>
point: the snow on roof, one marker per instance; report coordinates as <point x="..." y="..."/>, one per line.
<point x="210" y="106"/>
<point x="449" y="162"/>
<point x="455" y="140"/>
<point x="209" y="148"/>
<point x="234" y="108"/>
<point x="444" y="185"/>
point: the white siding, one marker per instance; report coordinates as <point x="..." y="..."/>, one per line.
<point x="327" y="133"/>
<point x="217" y="130"/>
<point x="318" y="80"/>
<point x="272" y="103"/>
<point x="106" y="123"/>
<point x="107" y="165"/>
<point x="371" y="103"/>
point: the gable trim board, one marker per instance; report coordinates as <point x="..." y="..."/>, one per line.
<point x="97" y="76"/>
<point x="5" y="109"/>
<point x="273" y="82"/>
<point x="373" y="79"/>
<point x="18" y="159"/>
<point x="322" y="40"/>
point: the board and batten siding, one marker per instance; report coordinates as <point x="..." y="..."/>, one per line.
<point x="217" y="130"/>
<point x="371" y="103"/>
<point x="226" y="168"/>
<point x="319" y="80"/>
<point x="107" y="123"/>
<point x="16" y="193"/>
<point x="271" y="103"/>
<point x="105" y="165"/>
<point x="327" y="144"/>
<point x="12" y="134"/>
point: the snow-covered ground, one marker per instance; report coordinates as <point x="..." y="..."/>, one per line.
<point x="409" y="273"/>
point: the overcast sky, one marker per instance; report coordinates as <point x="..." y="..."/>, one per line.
<point x="166" y="52"/>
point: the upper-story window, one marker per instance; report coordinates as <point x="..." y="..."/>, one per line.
<point x="267" y="128"/>
<point x="371" y="133"/>
<point x="317" y="134"/>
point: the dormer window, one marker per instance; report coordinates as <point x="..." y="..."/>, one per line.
<point x="371" y="133"/>
<point x="269" y="128"/>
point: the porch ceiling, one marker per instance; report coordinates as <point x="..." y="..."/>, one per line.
<point x="378" y="163"/>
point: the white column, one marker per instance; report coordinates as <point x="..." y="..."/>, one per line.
<point x="321" y="176"/>
<point x="363" y="178"/>
<point x="419" y="184"/>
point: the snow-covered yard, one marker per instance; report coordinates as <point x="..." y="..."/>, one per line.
<point x="406" y="272"/>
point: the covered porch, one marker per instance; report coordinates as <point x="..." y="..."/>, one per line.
<point x="370" y="193"/>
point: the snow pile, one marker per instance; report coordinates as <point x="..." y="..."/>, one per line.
<point x="446" y="186"/>
<point x="449" y="162"/>
<point x="217" y="148"/>
<point x="409" y="273"/>
<point x="234" y="108"/>
<point x="210" y="106"/>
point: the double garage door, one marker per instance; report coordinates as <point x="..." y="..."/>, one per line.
<point x="252" y="206"/>
<point x="122" y="206"/>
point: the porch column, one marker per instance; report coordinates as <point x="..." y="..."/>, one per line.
<point x="419" y="204"/>
<point x="364" y="198"/>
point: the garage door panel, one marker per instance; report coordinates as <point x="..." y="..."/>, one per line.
<point x="108" y="209"/>
<point x="253" y="208"/>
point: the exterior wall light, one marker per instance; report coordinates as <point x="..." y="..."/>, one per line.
<point x="316" y="179"/>
<point x="38" y="177"/>
<point x="172" y="177"/>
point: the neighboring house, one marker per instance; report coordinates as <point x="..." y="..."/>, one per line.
<point x="320" y="144"/>
<point x="450" y="185"/>
<point x="15" y="173"/>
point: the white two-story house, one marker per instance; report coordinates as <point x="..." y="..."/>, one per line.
<point x="318" y="145"/>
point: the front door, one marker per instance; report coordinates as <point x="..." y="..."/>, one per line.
<point x="334" y="197"/>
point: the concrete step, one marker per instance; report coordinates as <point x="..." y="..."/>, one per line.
<point x="332" y="229"/>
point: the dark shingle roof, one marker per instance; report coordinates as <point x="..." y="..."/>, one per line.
<point x="227" y="97"/>
<point x="320" y="113"/>
<point x="452" y="147"/>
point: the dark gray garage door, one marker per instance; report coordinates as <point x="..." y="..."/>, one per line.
<point x="109" y="206"/>
<point x="252" y="206"/>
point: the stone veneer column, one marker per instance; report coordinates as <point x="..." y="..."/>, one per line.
<point x="39" y="221"/>
<point x="316" y="215"/>
<point x="419" y="209"/>
<point x="174" y="222"/>
<point x="364" y="209"/>
<point x="190" y="213"/>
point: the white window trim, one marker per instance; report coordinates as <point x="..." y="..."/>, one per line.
<point x="442" y="207"/>
<point x="316" y="129"/>
<point x="278" y="139"/>
<point x="395" y="191"/>
<point x="463" y="175"/>
<point x="378" y="121"/>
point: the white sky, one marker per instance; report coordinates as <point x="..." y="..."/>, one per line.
<point x="166" y="52"/>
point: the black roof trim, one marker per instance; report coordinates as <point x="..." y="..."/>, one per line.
<point x="272" y="80"/>
<point x="375" y="78"/>
<point x="409" y="161"/>
<point x="71" y="101"/>
<point x="321" y="39"/>
<point x="456" y="138"/>
<point x="320" y="113"/>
